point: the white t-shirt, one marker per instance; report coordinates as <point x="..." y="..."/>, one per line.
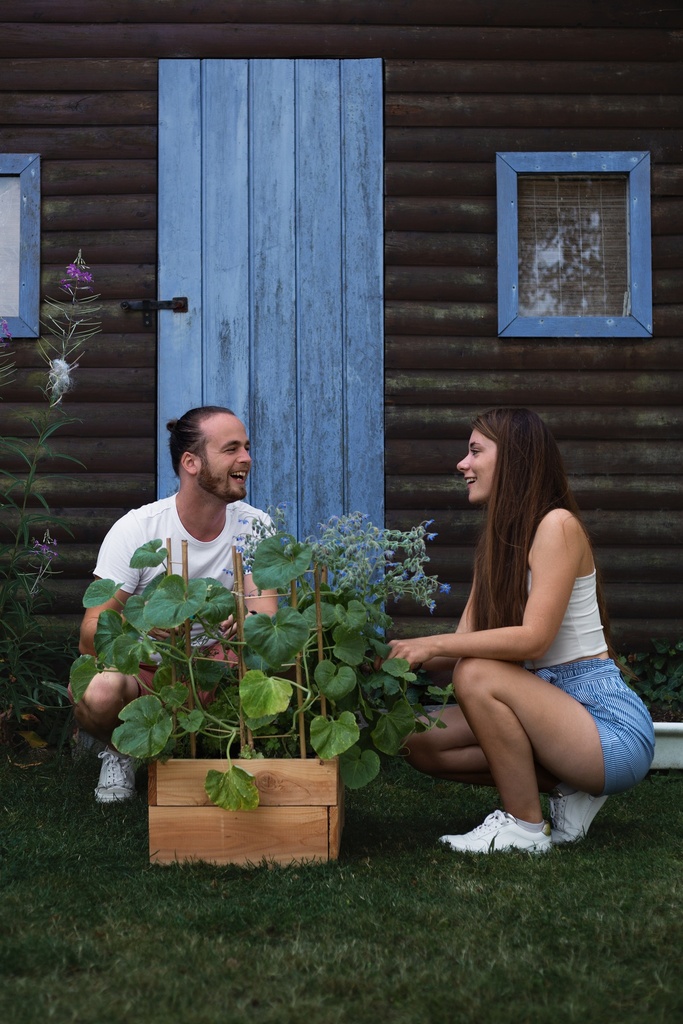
<point x="160" y="521"/>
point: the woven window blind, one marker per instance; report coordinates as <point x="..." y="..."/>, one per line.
<point x="10" y="214"/>
<point x="573" y="245"/>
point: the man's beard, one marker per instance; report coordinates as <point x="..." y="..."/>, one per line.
<point x="226" y="489"/>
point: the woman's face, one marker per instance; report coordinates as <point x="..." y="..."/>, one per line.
<point x="478" y="466"/>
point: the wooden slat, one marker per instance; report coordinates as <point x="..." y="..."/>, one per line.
<point x="428" y="352"/>
<point x="99" y="212"/>
<point x="128" y="383"/>
<point x="627" y="564"/>
<point x="304" y="40"/>
<point x="73" y="108"/>
<point x="630" y="14"/>
<point x="95" y="455"/>
<point x="280" y="781"/>
<point x="103" y="490"/>
<point x="111" y="280"/>
<point x="98" y="177"/>
<point x="591" y="491"/>
<point x="93" y="419"/>
<point x="609" y="77"/>
<point x="135" y="246"/>
<point x="565" y="421"/>
<point x="78" y="72"/>
<point x="481" y="144"/>
<point x="604" y="455"/>
<point x="599" y="388"/>
<point x="606" y="526"/>
<point x="61" y="142"/>
<point x="467" y="250"/>
<point x="86" y="527"/>
<point x="496" y="110"/>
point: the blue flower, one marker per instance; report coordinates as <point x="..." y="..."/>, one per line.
<point x="444" y="588"/>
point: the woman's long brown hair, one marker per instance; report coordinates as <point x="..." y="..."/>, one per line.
<point x="529" y="481"/>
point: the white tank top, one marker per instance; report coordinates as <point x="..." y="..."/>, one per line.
<point x="581" y="634"/>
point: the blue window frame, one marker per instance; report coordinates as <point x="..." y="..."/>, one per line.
<point x="615" y="241"/>
<point x="20" y="243"/>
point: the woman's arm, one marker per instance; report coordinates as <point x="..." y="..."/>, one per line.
<point x="560" y="552"/>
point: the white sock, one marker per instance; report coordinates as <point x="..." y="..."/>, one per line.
<point x="530" y="826"/>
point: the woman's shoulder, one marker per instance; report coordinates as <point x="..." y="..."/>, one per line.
<point x="562" y="524"/>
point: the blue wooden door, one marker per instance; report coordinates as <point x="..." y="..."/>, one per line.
<point x="270" y="222"/>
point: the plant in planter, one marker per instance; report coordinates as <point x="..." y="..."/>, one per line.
<point x="657" y="676"/>
<point x="303" y="682"/>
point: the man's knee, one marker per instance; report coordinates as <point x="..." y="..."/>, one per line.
<point x="108" y="692"/>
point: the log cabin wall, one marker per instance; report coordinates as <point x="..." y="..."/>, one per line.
<point x="463" y="80"/>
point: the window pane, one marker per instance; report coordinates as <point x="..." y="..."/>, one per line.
<point x="573" y="245"/>
<point x="10" y="207"/>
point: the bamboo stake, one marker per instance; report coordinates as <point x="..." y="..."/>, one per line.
<point x="188" y="647"/>
<point x="299" y="694"/>
<point x="319" y="630"/>
<point x="246" y="736"/>
<point x="173" y="635"/>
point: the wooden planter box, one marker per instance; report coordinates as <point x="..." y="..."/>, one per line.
<point x="299" y="818"/>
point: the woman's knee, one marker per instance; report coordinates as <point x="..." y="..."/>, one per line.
<point x="470" y="677"/>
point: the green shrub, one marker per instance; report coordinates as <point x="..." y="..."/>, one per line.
<point x="659" y="676"/>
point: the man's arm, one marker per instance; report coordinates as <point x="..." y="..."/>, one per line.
<point x="259" y="600"/>
<point x="86" y="644"/>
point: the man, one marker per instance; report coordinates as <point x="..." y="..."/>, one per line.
<point x="210" y="453"/>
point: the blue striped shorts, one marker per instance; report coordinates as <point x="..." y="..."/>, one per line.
<point x="626" y="732"/>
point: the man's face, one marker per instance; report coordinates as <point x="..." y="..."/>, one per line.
<point x="226" y="461"/>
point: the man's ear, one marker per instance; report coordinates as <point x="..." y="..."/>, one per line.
<point x="191" y="463"/>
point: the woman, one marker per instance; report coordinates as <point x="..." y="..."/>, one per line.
<point x="541" y="703"/>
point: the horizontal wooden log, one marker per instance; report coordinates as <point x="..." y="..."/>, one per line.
<point x="98" y="490"/>
<point x="499" y="110"/>
<point x="111" y="280"/>
<point x="617" y="565"/>
<point x="428" y="178"/>
<point x="653" y="527"/>
<point x="96" y="142"/>
<point x="478" y="214"/>
<point x="440" y="248"/>
<point x="667" y="251"/>
<point x="139" y="73"/>
<point x="612" y="77"/>
<point x="488" y="389"/>
<point x="482" y="318"/>
<point x="74" y="108"/>
<point x="78" y="531"/>
<point x="134" y="246"/>
<point x="110" y="350"/>
<point x="482" y="144"/>
<point x="127" y="384"/>
<point x="94" y="213"/>
<point x="91" y="419"/>
<point x="93" y="455"/>
<point x="426" y="352"/>
<point x="304" y="40"/>
<point x="628" y="14"/>
<point x="603" y="455"/>
<point x="628" y="634"/>
<point x="565" y="421"/>
<point x="98" y="177"/>
<point x="440" y="214"/>
<point x="453" y="283"/>
<point x="591" y="492"/>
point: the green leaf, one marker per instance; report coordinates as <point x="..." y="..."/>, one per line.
<point x="353" y="616"/>
<point x="145" y="728"/>
<point x="264" y="695"/>
<point x="275" y="565"/>
<point x="234" y="790"/>
<point x="331" y="737"/>
<point x="174" y="601"/>
<point x="134" y="612"/>
<point x="277" y="640"/>
<point x="334" y="682"/>
<point x="110" y="627"/>
<point x="191" y="722"/>
<point x="220" y="603"/>
<point x="82" y="671"/>
<point x="172" y="696"/>
<point x="149" y="555"/>
<point x="99" y="592"/>
<point x="358" y="768"/>
<point x="392" y="728"/>
<point x="128" y="652"/>
<point x="349" y="647"/>
<point x="399" y="668"/>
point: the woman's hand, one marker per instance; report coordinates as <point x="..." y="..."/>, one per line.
<point x="415" y="650"/>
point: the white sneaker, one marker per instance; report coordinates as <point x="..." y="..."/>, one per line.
<point x="571" y="815"/>
<point x="117" y="777"/>
<point x="500" y="831"/>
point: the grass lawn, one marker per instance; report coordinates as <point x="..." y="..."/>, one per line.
<point x="397" y="931"/>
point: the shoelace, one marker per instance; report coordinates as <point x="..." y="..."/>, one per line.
<point x="115" y="773"/>
<point x="493" y="819"/>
